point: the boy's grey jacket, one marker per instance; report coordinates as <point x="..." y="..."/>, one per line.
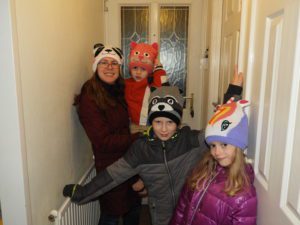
<point x="163" y="166"/>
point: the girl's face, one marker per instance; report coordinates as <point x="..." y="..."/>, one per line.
<point x="138" y="73"/>
<point x="108" y="70"/>
<point x="223" y="153"/>
<point x="164" y="128"/>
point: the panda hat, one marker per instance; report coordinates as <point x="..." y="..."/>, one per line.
<point x="100" y="51"/>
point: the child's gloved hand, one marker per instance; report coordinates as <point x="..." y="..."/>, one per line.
<point x="73" y="191"/>
<point x="69" y="190"/>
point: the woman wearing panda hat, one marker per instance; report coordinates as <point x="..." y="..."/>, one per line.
<point x="103" y="113"/>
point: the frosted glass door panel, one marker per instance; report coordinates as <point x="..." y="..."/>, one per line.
<point x="135" y="27"/>
<point x="181" y="48"/>
<point x="174" y="42"/>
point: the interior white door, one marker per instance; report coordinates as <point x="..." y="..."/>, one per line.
<point x="230" y="38"/>
<point x="196" y="45"/>
<point x="273" y="78"/>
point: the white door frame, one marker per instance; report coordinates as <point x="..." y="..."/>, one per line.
<point x="14" y="194"/>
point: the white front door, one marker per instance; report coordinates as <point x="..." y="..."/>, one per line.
<point x="196" y="44"/>
<point x="273" y="88"/>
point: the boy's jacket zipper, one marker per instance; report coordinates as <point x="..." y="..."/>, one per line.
<point x="169" y="174"/>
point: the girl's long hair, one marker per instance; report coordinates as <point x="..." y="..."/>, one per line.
<point x="95" y="89"/>
<point x="237" y="179"/>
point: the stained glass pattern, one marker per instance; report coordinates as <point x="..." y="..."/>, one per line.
<point x="173" y="38"/>
<point x="135" y="27"/>
<point x="173" y="42"/>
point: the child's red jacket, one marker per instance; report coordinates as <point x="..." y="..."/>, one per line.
<point x="137" y="95"/>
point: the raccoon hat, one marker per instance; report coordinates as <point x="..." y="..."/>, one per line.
<point x="101" y="51"/>
<point x="165" y="101"/>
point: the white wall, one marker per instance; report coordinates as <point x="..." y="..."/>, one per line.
<point x="49" y="45"/>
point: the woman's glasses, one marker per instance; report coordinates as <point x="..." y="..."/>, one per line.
<point x="113" y="64"/>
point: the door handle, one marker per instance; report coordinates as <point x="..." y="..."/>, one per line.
<point x="192" y="113"/>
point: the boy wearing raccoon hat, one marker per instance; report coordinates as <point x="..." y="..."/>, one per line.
<point x="162" y="158"/>
<point x="146" y="72"/>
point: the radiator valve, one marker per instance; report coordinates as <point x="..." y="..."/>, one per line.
<point x="52" y="216"/>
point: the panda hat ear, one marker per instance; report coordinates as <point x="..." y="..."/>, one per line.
<point x="101" y="51"/>
<point x="98" y="48"/>
<point x="98" y="45"/>
<point x="118" y="51"/>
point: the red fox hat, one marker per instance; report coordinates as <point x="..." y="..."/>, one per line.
<point x="143" y="55"/>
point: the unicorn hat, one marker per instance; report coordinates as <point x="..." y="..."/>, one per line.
<point x="229" y="125"/>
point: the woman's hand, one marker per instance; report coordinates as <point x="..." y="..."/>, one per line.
<point x="140" y="188"/>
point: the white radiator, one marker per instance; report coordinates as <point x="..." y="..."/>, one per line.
<point x="72" y="214"/>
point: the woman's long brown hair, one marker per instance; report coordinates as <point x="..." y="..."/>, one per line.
<point x="95" y="89"/>
<point x="237" y="177"/>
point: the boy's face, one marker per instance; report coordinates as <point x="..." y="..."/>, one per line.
<point x="223" y="153"/>
<point x="164" y="128"/>
<point x="138" y="73"/>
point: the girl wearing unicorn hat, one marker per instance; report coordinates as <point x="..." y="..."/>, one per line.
<point x="220" y="189"/>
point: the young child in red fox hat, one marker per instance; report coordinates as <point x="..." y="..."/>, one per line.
<point x="146" y="72"/>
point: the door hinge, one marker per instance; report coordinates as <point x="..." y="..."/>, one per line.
<point x="105" y="8"/>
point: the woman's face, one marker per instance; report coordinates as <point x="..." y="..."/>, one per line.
<point x="164" y="128"/>
<point x="223" y="153"/>
<point x="108" y="70"/>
